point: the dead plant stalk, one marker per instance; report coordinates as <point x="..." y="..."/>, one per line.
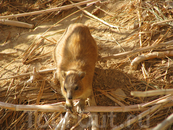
<point x="16" y="23"/>
<point x="152" y="92"/>
<point x="30" y="73"/>
<point x="47" y="10"/>
<point x="138" y="50"/>
<point x="136" y="118"/>
<point x="149" y="56"/>
<point x="93" y="16"/>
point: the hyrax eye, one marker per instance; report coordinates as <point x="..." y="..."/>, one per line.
<point x="65" y="89"/>
<point x="76" y="88"/>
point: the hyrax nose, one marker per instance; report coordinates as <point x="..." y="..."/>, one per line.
<point x="70" y="97"/>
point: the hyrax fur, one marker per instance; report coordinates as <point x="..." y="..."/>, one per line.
<point x="75" y="56"/>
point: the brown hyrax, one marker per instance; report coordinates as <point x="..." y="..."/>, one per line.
<point x="75" y="56"/>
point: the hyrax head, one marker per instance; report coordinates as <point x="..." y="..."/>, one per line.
<point x="72" y="86"/>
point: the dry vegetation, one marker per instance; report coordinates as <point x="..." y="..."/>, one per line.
<point x="133" y="77"/>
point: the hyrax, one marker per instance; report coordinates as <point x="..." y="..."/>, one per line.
<point x="75" y="56"/>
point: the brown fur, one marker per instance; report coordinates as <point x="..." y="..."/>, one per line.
<point x="75" y="56"/>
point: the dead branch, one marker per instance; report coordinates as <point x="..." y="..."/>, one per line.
<point x="156" y="101"/>
<point x="8" y="53"/>
<point x="149" y="56"/>
<point x="63" y="122"/>
<point x="59" y="124"/>
<point x="137" y="50"/>
<point x="136" y="118"/>
<point x="152" y="92"/>
<point x="30" y="73"/>
<point x="47" y="10"/>
<point x="16" y="23"/>
<point x="162" y="22"/>
<point x="83" y="117"/>
<point x="50" y="108"/>
<point x="93" y="16"/>
<point x="60" y="107"/>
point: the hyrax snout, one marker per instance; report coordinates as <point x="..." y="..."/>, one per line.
<point x="75" y="56"/>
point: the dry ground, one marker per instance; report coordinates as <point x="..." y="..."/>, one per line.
<point x="110" y="75"/>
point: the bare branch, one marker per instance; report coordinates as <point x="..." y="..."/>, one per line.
<point x="16" y="23"/>
<point x="138" y="50"/>
<point x="47" y="10"/>
<point x="152" y="92"/>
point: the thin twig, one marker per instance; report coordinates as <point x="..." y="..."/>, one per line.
<point x="59" y="124"/>
<point x="144" y="71"/>
<point x="27" y="74"/>
<point x="93" y="16"/>
<point x="136" y="118"/>
<point x="63" y="122"/>
<point x="137" y="50"/>
<point x="104" y="11"/>
<point x="139" y="18"/>
<point x="154" y="101"/>
<point x="38" y="57"/>
<point x="162" y="22"/>
<point x="83" y="117"/>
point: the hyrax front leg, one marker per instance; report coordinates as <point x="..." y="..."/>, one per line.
<point x="80" y="105"/>
<point x="91" y="102"/>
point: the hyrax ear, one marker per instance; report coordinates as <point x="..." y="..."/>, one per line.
<point x="82" y="74"/>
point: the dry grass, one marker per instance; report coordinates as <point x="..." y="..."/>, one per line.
<point x="150" y="27"/>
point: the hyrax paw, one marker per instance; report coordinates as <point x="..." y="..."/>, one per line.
<point x="80" y="109"/>
<point x="80" y="106"/>
<point x="69" y="107"/>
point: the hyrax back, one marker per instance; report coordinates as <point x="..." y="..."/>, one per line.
<point x="75" y="56"/>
